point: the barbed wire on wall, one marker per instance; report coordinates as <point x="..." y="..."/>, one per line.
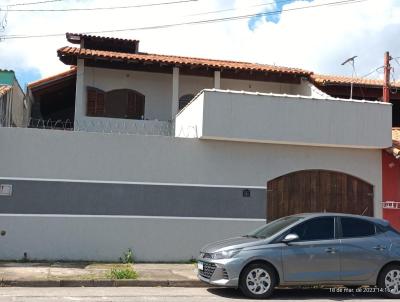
<point x="187" y="131"/>
<point x="51" y="124"/>
<point x="129" y="127"/>
<point x="124" y="127"/>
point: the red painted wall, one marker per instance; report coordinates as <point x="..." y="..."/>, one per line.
<point x="391" y="186"/>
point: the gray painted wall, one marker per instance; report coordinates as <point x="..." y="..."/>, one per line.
<point x="106" y="238"/>
<point x="55" y="197"/>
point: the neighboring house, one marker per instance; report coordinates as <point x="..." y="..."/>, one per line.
<point x="14" y="109"/>
<point x="372" y="90"/>
<point x="391" y="180"/>
<point x="172" y="152"/>
<point x="53" y="100"/>
<point x="363" y="89"/>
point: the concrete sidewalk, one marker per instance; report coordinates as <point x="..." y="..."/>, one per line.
<point x="95" y="274"/>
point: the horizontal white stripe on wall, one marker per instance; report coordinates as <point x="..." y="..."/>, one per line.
<point x="130" y="217"/>
<point x="133" y="183"/>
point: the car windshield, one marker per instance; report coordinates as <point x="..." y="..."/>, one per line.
<point x="273" y="227"/>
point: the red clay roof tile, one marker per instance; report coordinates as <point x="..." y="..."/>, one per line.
<point x="58" y="76"/>
<point x="333" y="79"/>
<point x="178" y="60"/>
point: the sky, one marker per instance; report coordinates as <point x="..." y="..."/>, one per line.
<point x="317" y="39"/>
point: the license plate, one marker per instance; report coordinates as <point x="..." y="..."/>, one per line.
<point x="200" y="266"/>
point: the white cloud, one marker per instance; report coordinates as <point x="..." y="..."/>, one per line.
<point x="317" y="39"/>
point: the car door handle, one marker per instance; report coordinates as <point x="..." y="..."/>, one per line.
<point x="330" y="250"/>
<point x="379" y="247"/>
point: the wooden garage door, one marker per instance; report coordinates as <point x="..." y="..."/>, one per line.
<point x="318" y="191"/>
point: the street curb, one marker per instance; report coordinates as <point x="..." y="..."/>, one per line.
<point x="102" y="283"/>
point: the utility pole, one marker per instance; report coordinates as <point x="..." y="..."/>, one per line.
<point x="386" y="79"/>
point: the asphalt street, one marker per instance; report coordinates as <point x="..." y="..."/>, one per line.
<point x="167" y="294"/>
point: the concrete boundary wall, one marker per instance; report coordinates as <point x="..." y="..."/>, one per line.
<point x="80" y="156"/>
<point x="51" y="171"/>
<point x="99" y="238"/>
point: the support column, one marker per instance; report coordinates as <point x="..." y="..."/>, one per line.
<point x="80" y="93"/>
<point x="217" y="79"/>
<point x="175" y="92"/>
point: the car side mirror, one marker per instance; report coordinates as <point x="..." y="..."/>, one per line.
<point x="290" y="237"/>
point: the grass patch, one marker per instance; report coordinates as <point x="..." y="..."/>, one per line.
<point x="124" y="272"/>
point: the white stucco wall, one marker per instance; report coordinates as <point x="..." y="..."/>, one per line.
<point x="268" y="87"/>
<point x="194" y="84"/>
<point x="265" y="118"/>
<point x="189" y="122"/>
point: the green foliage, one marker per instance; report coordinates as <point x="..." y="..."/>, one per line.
<point x="127" y="257"/>
<point x="126" y="272"/>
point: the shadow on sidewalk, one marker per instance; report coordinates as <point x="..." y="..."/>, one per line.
<point x="298" y="294"/>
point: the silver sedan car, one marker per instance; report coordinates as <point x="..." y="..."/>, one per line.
<point x="307" y="249"/>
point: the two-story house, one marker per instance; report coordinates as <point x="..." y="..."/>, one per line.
<point x="166" y="153"/>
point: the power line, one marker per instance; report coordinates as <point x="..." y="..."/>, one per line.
<point x="127" y="6"/>
<point x="33" y="3"/>
<point x="373" y="71"/>
<point x="231" y="9"/>
<point x="337" y="3"/>
<point x="397" y="60"/>
<point x="97" y="8"/>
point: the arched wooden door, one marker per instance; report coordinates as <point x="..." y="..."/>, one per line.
<point x="318" y="191"/>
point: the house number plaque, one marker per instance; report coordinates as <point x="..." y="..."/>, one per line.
<point x="5" y="190"/>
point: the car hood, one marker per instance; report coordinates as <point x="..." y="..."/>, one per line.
<point x="232" y="243"/>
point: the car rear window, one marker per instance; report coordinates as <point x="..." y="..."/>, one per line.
<point x="354" y="227"/>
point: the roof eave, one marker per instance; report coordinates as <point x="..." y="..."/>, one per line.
<point x="52" y="80"/>
<point x="71" y="59"/>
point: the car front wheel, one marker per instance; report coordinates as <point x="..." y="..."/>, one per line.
<point x="257" y="281"/>
<point x="389" y="281"/>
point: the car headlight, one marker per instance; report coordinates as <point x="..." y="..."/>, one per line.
<point x="226" y="254"/>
